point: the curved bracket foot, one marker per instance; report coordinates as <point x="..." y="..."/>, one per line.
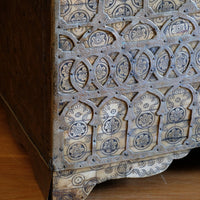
<point x="77" y="184"/>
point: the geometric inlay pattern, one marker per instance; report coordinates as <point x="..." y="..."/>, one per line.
<point x="128" y="80"/>
<point x="127" y="90"/>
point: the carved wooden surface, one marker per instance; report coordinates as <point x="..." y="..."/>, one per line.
<point x="127" y="83"/>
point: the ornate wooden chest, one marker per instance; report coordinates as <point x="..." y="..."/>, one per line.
<point x="101" y="89"/>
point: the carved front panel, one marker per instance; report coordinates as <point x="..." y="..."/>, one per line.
<point x="127" y="80"/>
<point x="127" y="89"/>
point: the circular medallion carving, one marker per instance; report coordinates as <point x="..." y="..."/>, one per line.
<point x="142" y="140"/>
<point x="163" y="63"/>
<point x="142" y="66"/>
<point x="76" y="151"/>
<point x="102" y="71"/>
<point x="174" y="135"/>
<point x="79" y="16"/>
<point x="176" y="114"/>
<point x="122" y="10"/>
<point x="78" y="180"/>
<point x="65" y="68"/>
<point x="81" y="75"/>
<point x="78" y="130"/>
<point x="112" y="125"/>
<point x="179" y="27"/>
<point x="98" y="38"/>
<point x="122" y="69"/>
<point x="166" y="6"/>
<point x="110" y="146"/>
<point x="139" y="32"/>
<point x="145" y="120"/>
<point x="182" y="60"/>
<point x="65" y="84"/>
<point x="91" y="5"/>
<point x="124" y="168"/>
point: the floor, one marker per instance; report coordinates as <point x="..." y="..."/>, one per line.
<point x="180" y="182"/>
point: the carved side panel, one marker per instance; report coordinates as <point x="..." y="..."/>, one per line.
<point x="127" y="83"/>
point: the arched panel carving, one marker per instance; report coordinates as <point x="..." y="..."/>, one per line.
<point x="112" y="128"/>
<point x="134" y="66"/>
<point x="78" y="133"/>
<point x="177" y="119"/>
<point x="144" y="128"/>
